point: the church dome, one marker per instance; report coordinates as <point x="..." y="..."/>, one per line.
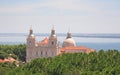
<point x="69" y="41"/>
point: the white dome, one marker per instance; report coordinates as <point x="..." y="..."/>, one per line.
<point x="68" y="42"/>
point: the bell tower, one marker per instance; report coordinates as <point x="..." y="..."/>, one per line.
<point x="31" y="39"/>
<point x="53" y="38"/>
<point x="30" y="46"/>
<point x="53" y="43"/>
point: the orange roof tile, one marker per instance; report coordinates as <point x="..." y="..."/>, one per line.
<point x="2" y="60"/>
<point x="83" y="48"/>
<point x="45" y="41"/>
<point x="7" y="60"/>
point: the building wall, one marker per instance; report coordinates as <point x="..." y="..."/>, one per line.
<point x="40" y="51"/>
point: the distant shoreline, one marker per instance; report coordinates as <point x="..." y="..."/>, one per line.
<point x="96" y="41"/>
<point x="97" y="46"/>
<point x="83" y="35"/>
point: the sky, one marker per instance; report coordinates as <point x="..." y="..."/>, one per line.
<point x="78" y="16"/>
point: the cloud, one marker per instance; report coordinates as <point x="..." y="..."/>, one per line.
<point x="62" y="5"/>
<point x="82" y="15"/>
<point x="14" y="9"/>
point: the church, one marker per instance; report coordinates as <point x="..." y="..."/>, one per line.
<point x="50" y="46"/>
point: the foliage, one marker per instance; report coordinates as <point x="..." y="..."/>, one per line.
<point x="15" y="51"/>
<point x="3" y="55"/>
<point x="95" y="63"/>
<point x="6" y="67"/>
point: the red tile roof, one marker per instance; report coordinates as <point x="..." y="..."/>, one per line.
<point x="82" y="48"/>
<point x="7" y="60"/>
<point x="44" y="41"/>
<point x="1" y="60"/>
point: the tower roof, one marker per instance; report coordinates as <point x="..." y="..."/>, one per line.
<point x="53" y="31"/>
<point x="31" y="33"/>
<point x="53" y="36"/>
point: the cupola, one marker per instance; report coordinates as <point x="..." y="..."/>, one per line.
<point x="69" y="41"/>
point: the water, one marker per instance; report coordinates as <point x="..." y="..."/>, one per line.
<point x="95" y="41"/>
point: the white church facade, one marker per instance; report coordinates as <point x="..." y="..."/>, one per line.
<point x="50" y="47"/>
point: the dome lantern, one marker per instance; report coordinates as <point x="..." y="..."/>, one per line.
<point x="69" y="35"/>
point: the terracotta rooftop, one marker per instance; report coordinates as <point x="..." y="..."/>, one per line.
<point x="44" y="41"/>
<point x="7" y="60"/>
<point x="82" y="48"/>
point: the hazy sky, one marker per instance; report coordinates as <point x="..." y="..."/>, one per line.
<point x="82" y="16"/>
